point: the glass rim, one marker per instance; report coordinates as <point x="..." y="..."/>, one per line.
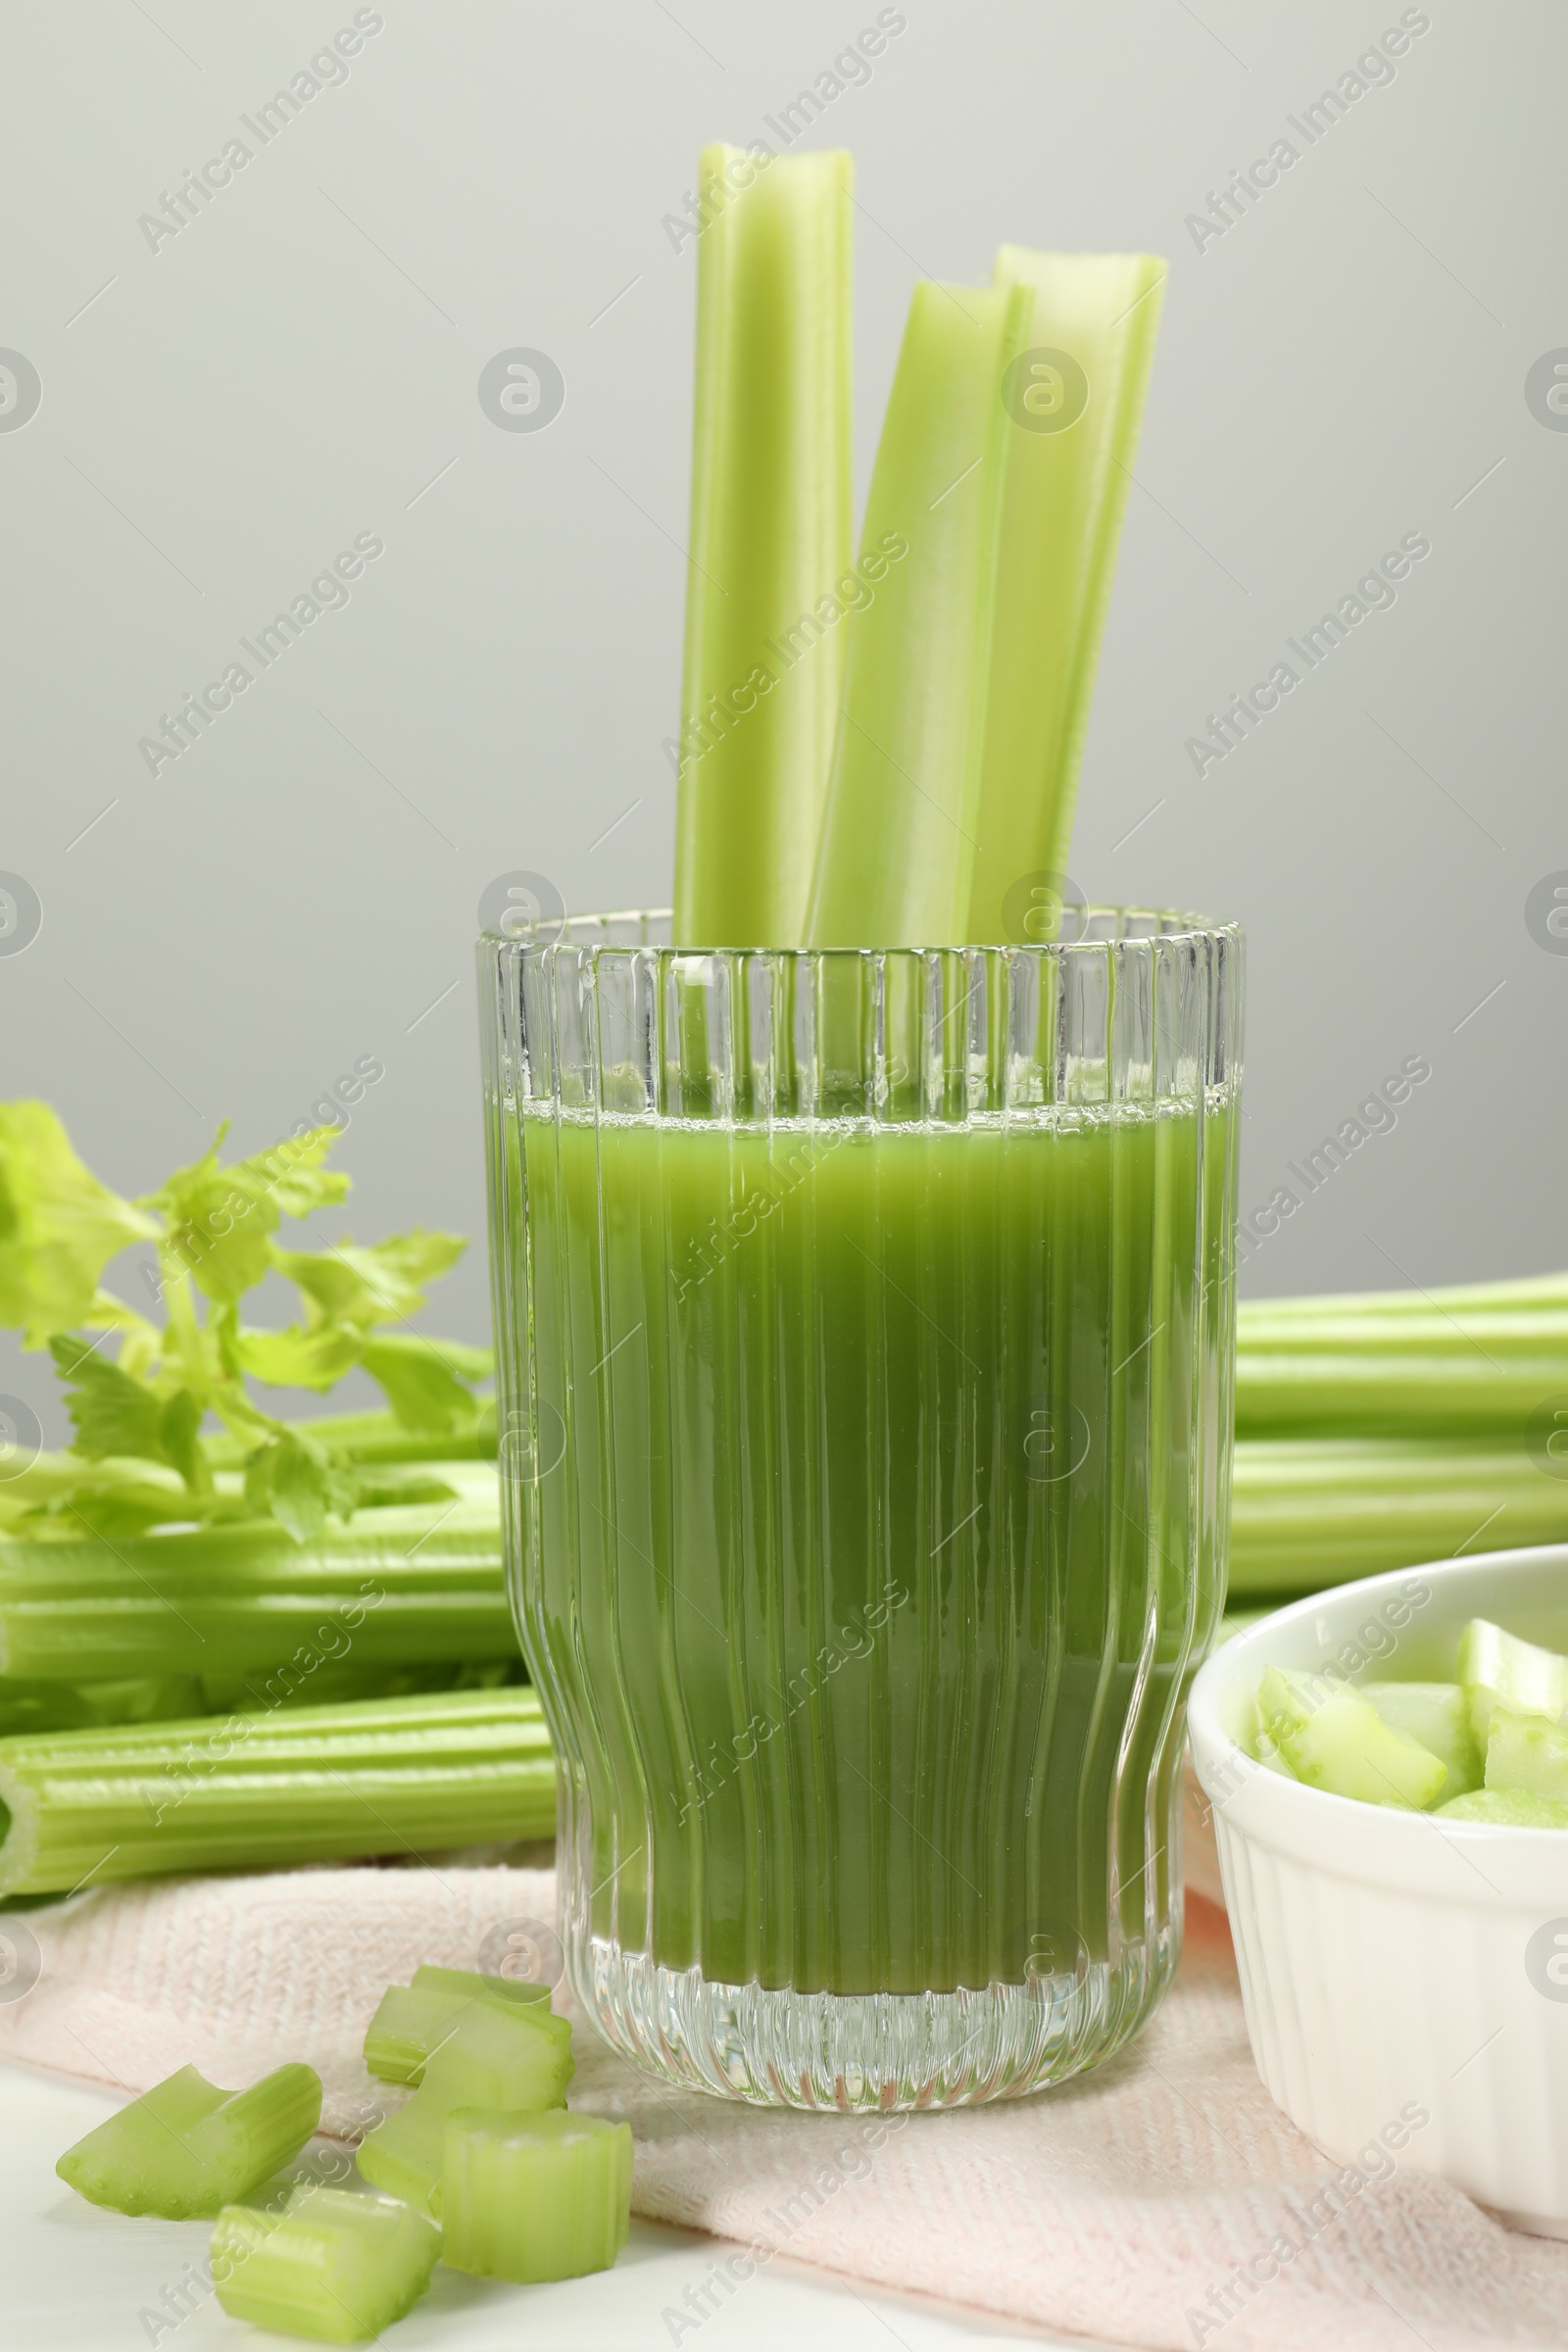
<point x="1177" y="928"/>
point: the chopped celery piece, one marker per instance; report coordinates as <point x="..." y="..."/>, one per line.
<point x="1437" y="1715"/>
<point x="770" y="544"/>
<point x="1498" y="1670"/>
<point x="1068" y="472"/>
<point x="301" y="1784"/>
<point x="1341" y="1743"/>
<point x="1527" y="1755"/>
<point x="897" y="843"/>
<point x="185" y="2148"/>
<point x="470" y="1982"/>
<point x="495" y="2055"/>
<point x="413" y="2020"/>
<point x="533" y="2198"/>
<point x="1506" y="1809"/>
<point x="333" y="2264"/>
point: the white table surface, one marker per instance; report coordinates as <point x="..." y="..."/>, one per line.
<point x="75" y="2279"/>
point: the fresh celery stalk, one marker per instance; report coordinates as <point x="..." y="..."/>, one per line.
<point x="186" y="2149"/>
<point x="422" y="1584"/>
<point x="259" y="1791"/>
<point x="494" y="2055"/>
<point x="333" y="2264"/>
<point x="1530" y="1294"/>
<point x="1068" y="474"/>
<point x="1360" y="1392"/>
<point x="898" y="847"/>
<point x="533" y="2198"/>
<point x="770" y="544"/>
<point x="413" y="2020"/>
<point x="379" y="1437"/>
<point x="1311" y="1512"/>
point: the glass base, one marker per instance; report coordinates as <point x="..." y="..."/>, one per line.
<point x="881" y="2051"/>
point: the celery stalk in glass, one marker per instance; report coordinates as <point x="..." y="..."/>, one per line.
<point x="898" y="837"/>
<point x="770" y="543"/>
<point x="256" y="1791"/>
<point x="1068" y="468"/>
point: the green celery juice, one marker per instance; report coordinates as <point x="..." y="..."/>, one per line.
<point x="876" y="1530"/>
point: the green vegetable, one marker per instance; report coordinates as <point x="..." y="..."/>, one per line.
<point x="1471" y="1359"/>
<point x="262" y="1791"/>
<point x="533" y="2198"/>
<point x="1506" y="1809"/>
<point x="494" y="2055"/>
<point x="139" y="1458"/>
<point x="187" y="2148"/>
<point x="1336" y="1739"/>
<point x="1097" y="314"/>
<point x="770" y="544"/>
<point x="413" y="2020"/>
<point x="898" y="834"/>
<point x="1437" y="1716"/>
<point x="398" y="1585"/>
<point x="333" y="2264"/>
<point x="1310" y="1513"/>
<point x="1499" y="1670"/>
<point x="1527" y="1756"/>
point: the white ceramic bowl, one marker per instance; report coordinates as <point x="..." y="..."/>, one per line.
<point x="1392" y="1965"/>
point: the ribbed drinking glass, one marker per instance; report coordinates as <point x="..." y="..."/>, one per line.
<point x="865" y="1331"/>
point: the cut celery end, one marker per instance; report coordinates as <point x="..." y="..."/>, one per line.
<point x="332" y="2265"/>
<point x="770" y="544"/>
<point x="1498" y="1670"/>
<point x="185" y="2148"/>
<point x="1506" y="1809"/>
<point x="511" y="2055"/>
<point x="1336" y="1741"/>
<point x="413" y="2020"/>
<point x="898" y="831"/>
<point x="1529" y="1755"/>
<point x="533" y="2198"/>
<point x="1437" y="1716"/>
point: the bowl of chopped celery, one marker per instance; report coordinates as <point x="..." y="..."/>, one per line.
<point x="1388" y="1767"/>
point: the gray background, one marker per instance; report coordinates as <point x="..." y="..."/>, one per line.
<point x="220" y="416"/>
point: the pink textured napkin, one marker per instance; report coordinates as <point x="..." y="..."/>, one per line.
<point x="1162" y="2201"/>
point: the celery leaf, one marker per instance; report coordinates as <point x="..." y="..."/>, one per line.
<point x="59" y="1226"/>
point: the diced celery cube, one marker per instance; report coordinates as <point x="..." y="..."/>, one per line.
<point x="413" y="2020"/>
<point x="185" y="2148"/>
<point x="1498" y="1670"/>
<point x="333" y="2265"/>
<point x="496" y="2056"/>
<point x="533" y="2198"/>
<point x="1334" y="1740"/>
<point x="1437" y="1715"/>
<point x="1506" y="1808"/>
<point x="1529" y="1755"/>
